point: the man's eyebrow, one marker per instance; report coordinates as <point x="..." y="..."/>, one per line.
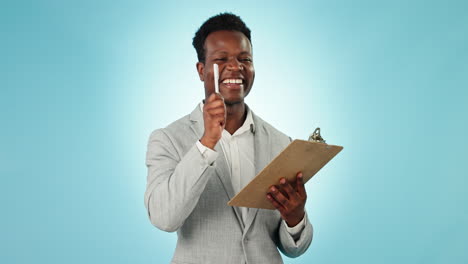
<point x="220" y="52"/>
<point x="245" y="53"/>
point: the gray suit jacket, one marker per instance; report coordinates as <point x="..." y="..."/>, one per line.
<point x="187" y="195"/>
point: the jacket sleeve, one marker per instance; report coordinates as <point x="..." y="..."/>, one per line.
<point x="289" y="246"/>
<point x="174" y="183"/>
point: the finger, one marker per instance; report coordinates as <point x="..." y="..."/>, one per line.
<point x="213" y="120"/>
<point x="216" y="111"/>
<point x="214" y="104"/>
<point x="221" y="121"/>
<point x="283" y="192"/>
<point x="214" y="96"/>
<point x="217" y="115"/>
<point x="215" y="107"/>
<point x="210" y="98"/>
<point x="279" y="197"/>
<point x="275" y="203"/>
<point x="300" y="185"/>
<point x="220" y="96"/>
<point x="287" y="188"/>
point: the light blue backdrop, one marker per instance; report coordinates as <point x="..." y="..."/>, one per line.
<point x="83" y="83"/>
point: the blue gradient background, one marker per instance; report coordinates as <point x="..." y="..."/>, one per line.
<point x="83" y="83"/>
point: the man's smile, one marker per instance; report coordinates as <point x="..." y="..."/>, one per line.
<point x="233" y="83"/>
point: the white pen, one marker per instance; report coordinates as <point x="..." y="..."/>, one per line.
<point x="216" y="77"/>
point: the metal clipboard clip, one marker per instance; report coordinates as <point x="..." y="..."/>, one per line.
<point x="316" y="137"/>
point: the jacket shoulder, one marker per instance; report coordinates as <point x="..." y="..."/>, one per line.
<point x="270" y="129"/>
<point x="174" y="130"/>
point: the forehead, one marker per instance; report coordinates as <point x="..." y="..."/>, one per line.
<point x="227" y="41"/>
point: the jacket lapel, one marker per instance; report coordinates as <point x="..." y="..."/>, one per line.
<point x="222" y="169"/>
<point x="262" y="154"/>
<point x="196" y="118"/>
<point x="224" y="175"/>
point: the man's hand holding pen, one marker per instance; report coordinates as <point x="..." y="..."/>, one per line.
<point x="214" y="117"/>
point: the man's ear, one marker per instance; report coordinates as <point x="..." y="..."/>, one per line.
<point x="201" y="70"/>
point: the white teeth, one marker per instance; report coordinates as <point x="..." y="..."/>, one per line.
<point x="232" y="81"/>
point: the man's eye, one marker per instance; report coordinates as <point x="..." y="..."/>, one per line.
<point x="220" y="59"/>
<point x="246" y="60"/>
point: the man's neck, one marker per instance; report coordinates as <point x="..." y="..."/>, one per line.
<point x="235" y="117"/>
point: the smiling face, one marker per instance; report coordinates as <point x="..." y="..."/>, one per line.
<point x="232" y="51"/>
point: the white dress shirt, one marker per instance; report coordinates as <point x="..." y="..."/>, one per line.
<point x="238" y="149"/>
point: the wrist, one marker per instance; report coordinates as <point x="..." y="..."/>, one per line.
<point x="208" y="143"/>
<point x="295" y="220"/>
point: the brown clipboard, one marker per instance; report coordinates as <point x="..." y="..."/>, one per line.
<point x="300" y="155"/>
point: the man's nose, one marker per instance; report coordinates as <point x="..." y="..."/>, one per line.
<point x="234" y="65"/>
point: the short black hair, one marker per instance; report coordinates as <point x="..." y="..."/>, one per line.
<point x="222" y="21"/>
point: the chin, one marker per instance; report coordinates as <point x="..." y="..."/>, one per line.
<point x="233" y="102"/>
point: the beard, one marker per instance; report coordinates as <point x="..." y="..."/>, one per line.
<point x="231" y="103"/>
<point x="235" y="101"/>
